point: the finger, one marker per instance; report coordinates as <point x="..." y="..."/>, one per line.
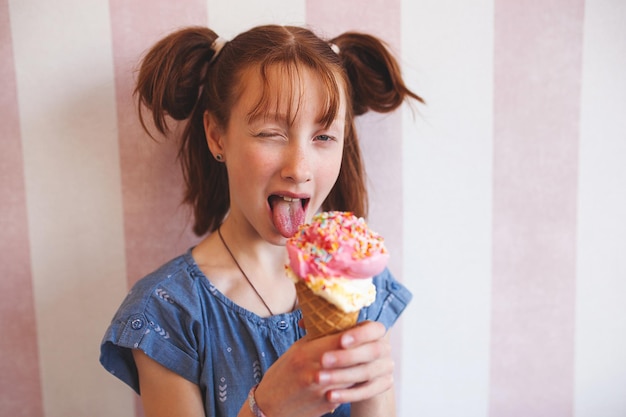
<point x="344" y="358"/>
<point x="360" y="392"/>
<point x="363" y="333"/>
<point x="363" y="373"/>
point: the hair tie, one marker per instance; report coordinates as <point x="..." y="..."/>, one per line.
<point x="334" y="47"/>
<point x="217" y="46"/>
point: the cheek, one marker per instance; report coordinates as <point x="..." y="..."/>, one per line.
<point x="337" y="159"/>
<point x="254" y="162"/>
<point x="329" y="169"/>
<point x="245" y="172"/>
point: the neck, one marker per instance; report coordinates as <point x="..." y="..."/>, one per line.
<point x="252" y="250"/>
<point x="266" y="282"/>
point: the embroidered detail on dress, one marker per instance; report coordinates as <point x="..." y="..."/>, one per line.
<point x="161" y="293"/>
<point x="388" y="300"/>
<point x="222" y="390"/>
<point x="256" y="371"/>
<point x="160" y="330"/>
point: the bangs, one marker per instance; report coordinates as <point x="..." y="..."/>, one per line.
<point x="283" y="91"/>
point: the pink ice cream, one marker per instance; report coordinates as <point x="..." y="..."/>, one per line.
<point x="337" y="255"/>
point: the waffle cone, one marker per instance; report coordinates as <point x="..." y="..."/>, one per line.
<point x="320" y="317"/>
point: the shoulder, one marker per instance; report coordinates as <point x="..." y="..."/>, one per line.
<point x="392" y="297"/>
<point x="387" y="285"/>
<point x="175" y="282"/>
<point x="160" y="316"/>
<point x="170" y="292"/>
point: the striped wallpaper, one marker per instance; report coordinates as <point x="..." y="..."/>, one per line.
<point x="503" y="201"/>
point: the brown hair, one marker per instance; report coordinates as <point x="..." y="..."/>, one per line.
<point x="181" y="78"/>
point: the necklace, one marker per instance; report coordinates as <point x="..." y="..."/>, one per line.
<point x="219" y="233"/>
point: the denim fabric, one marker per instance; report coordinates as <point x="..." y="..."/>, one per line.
<point x="178" y="318"/>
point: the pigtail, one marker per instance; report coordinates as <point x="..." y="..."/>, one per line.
<point x="171" y="83"/>
<point x="172" y="74"/>
<point x="374" y="74"/>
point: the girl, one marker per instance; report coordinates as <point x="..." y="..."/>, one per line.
<point x="269" y="140"/>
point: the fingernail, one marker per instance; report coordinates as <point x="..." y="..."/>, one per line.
<point x="347" y="340"/>
<point x="332" y="397"/>
<point x="323" y="377"/>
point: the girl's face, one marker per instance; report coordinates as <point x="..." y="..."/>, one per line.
<point x="282" y="163"/>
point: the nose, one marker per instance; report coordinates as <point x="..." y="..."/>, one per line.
<point x="297" y="163"/>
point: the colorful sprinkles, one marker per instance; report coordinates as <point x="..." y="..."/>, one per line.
<point x="333" y="233"/>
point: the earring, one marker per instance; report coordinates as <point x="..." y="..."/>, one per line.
<point x="219" y="157"/>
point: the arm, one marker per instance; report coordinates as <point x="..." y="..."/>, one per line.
<point x="165" y="393"/>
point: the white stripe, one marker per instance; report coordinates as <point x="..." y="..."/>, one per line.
<point x="64" y="70"/>
<point x="448" y="55"/>
<point x="229" y="18"/>
<point x="600" y="368"/>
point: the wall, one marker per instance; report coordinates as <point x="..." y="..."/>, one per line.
<point x="502" y="200"/>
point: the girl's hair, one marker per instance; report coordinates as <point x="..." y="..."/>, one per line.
<point x="181" y="78"/>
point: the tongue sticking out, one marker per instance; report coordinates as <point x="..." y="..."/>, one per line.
<point x="287" y="215"/>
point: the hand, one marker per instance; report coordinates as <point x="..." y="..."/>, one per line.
<point x="314" y="376"/>
<point x="363" y="368"/>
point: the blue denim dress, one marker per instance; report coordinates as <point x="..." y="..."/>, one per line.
<point x="179" y="319"/>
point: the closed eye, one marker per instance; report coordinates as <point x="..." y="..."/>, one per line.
<point x="267" y="134"/>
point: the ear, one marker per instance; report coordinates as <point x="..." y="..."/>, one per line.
<point x="213" y="133"/>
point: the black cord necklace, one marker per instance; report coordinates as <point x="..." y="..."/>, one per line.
<point x="219" y="232"/>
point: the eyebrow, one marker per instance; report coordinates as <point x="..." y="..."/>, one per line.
<point x="254" y="117"/>
<point x="284" y="119"/>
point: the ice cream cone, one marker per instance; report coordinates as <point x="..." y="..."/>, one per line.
<point x="320" y="317"/>
<point x="333" y="260"/>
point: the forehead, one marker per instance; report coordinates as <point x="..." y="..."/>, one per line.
<point x="282" y="89"/>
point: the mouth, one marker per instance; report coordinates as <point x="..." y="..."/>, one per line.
<point x="277" y="198"/>
<point x="288" y="212"/>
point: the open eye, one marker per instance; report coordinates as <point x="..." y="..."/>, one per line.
<point x="324" y="138"/>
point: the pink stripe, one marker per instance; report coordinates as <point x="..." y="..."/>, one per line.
<point x="538" y="55"/>
<point x="156" y="227"/>
<point x="19" y="356"/>
<point x="380" y="136"/>
<point x="155" y="224"/>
